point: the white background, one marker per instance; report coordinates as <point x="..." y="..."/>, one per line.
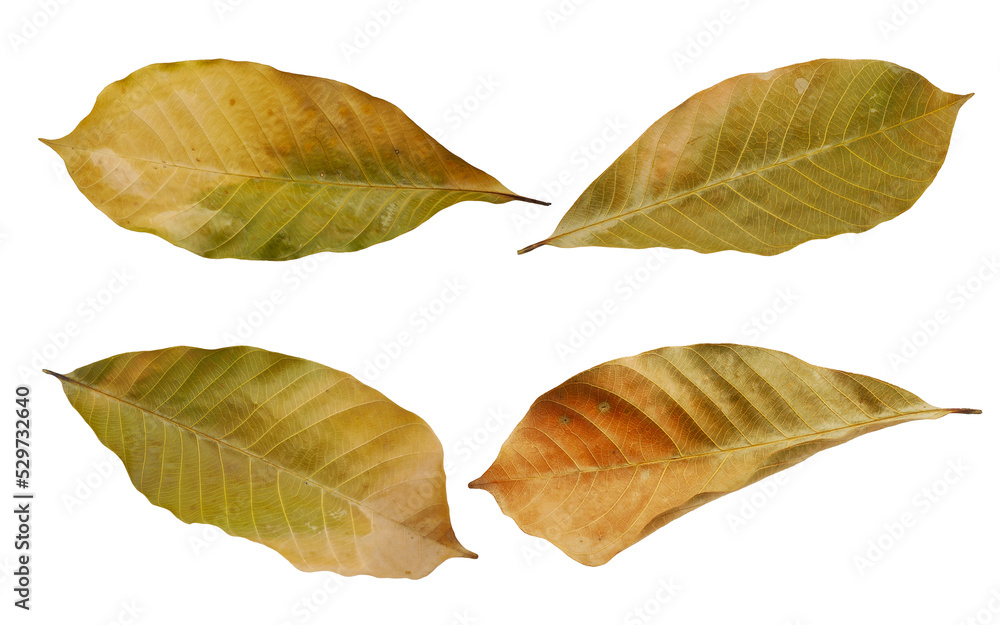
<point x="783" y="551"/>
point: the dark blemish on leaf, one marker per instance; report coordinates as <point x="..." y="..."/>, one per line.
<point x="603" y="407"/>
<point x="232" y="101"/>
<point x="563" y="419"/>
<point x="397" y="151"/>
<point x="279" y="245"/>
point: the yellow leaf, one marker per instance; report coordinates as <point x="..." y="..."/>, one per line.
<point x="283" y="451"/>
<point x="239" y="160"/>
<point x="760" y="163"/>
<point x="616" y="452"/>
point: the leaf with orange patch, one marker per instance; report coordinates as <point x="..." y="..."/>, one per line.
<point x="618" y="451"/>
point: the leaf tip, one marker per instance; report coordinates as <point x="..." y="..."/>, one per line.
<point x="533" y="201"/>
<point x="962" y="99"/>
<point x="465" y="553"/>
<point x="58" y="376"/>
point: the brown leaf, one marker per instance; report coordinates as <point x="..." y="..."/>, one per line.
<point x="618" y="451"/>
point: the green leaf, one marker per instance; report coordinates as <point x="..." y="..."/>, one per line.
<point x="280" y="450"/>
<point x="239" y="160"/>
<point x="761" y="163"/>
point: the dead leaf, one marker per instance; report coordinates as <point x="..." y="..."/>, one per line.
<point x="239" y="160"/>
<point x="761" y="163"/>
<point x="616" y="452"/>
<point x="280" y="450"/>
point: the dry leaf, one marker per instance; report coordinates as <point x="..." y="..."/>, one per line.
<point x="280" y="450"/>
<point x="616" y="452"/>
<point x="239" y="160"/>
<point x="760" y="163"/>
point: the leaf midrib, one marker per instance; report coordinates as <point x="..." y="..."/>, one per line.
<point x="277" y="467"/>
<point x="818" y="435"/>
<point x="725" y="181"/>
<point x="325" y="183"/>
